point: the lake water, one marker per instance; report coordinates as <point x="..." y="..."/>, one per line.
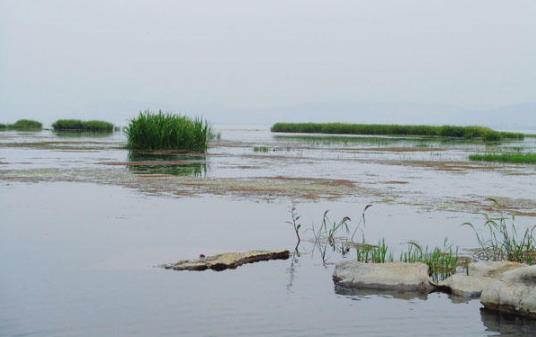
<point x="84" y="223"/>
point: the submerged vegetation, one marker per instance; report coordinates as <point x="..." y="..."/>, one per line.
<point x="464" y="132"/>
<point x="23" y="125"/>
<point x="163" y="131"/>
<point x="82" y="126"/>
<point x="516" y="158"/>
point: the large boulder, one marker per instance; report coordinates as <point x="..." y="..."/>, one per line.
<point x="395" y="276"/>
<point x="480" y="275"/>
<point x="228" y="260"/>
<point x="515" y="292"/>
<point x="492" y="269"/>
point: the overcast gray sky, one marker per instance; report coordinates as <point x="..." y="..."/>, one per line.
<point x="255" y="61"/>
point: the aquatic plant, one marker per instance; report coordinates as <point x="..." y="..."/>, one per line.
<point x="294" y="218"/>
<point x="325" y="236"/>
<point x="464" y="132"/>
<point x="23" y="125"/>
<point x="442" y="262"/>
<point x="500" y="240"/>
<point x="158" y="131"/>
<point x="82" y="126"/>
<point x="517" y="158"/>
<point x="368" y="253"/>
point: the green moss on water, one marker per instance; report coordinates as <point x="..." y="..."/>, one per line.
<point x="517" y="158"/>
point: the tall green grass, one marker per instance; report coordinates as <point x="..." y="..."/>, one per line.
<point x="517" y="158"/>
<point x="23" y="125"/>
<point x="82" y="126"/>
<point x="465" y="132"/>
<point x="500" y="240"/>
<point x="442" y="262"/>
<point x="161" y="131"/>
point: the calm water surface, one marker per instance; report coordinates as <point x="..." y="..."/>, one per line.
<point x="78" y="259"/>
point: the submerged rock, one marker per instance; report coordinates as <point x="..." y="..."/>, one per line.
<point x="228" y="260"/>
<point x="395" y="276"/>
<point x="514" y="293"/>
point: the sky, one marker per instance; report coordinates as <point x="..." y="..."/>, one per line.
<point x="256" y="62"/>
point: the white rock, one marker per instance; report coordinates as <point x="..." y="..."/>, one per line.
<point x="493" y="269"/>
<point x="466" y="286"/>
<point x="394" y="276"/>
<point x="515" y="292"/>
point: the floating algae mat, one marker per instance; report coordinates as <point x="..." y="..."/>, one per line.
<point x="229" y="260"/>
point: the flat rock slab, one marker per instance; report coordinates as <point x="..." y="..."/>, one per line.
<point x="229" y="260"/>
<point x="514" y="292"/>
<point x="492" y="269"/>
<point x="465" y="286"/>
<point x="395" y="276"/>
<point x="481" y="274"/>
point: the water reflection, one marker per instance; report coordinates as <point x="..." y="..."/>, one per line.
<point x="508" y="325"/>
<point x="327" y="140"/>
<point x="83" y="134"/>
<point x="193" y="165"/>
<point x="364" y="293"/>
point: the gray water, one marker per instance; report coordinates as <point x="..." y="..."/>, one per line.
<point x="79" y="255"/>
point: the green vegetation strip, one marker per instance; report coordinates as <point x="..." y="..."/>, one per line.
<point x="163" y="131"/>
<point x="85" y="126"/>
<point x="466" y="132"/>
<point x="519" y="158"/>
<point x="22" y="125"/>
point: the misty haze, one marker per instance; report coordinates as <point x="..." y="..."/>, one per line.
<point x="268" y="168"/>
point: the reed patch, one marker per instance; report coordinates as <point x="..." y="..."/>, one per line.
<point x="450" y="131"/>
<point x="162" y="131"/>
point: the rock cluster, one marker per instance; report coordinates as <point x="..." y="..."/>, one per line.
<point x="502" y="286"/>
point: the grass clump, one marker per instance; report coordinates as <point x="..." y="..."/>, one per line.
<point x="23" y="125"/>
<point x="442" y="262"/>
<point x="162" y="131"/>
<point x="501" y="241"/>
<point x="516" y="158"/>
<point x="379" y="253"/>
<point x="452" y="131"/>
<point x="82" y="126"/>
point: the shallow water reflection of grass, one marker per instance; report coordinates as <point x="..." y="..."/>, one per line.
<point x="170" y="164"/>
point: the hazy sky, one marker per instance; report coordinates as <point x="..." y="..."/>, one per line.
<point x="253" y="60"/>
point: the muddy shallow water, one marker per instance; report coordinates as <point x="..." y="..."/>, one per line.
<point x="81" y="233"/>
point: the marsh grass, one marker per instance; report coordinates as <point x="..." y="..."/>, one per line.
<point x="516" y="158"/>
<point x="82" y="126"/>
<point x="442" y="262"/>
<point x="161" y="131"/>
<point x="294" y="222"/>
<point x="368" y="253"/>
<point x="500" y="240"/>
<point x="23" y="125"/>
<point x="451" y="131"/>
